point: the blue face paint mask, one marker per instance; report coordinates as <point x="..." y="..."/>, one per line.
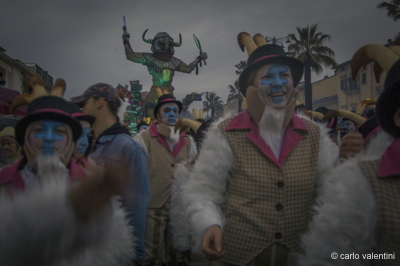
<point x="276" y="82"/>
<point x="83" y="141"/>
<point x="50" y="133"/>
<point x="169" y="115"/>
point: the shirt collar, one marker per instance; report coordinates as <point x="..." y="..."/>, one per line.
<point x="294" y="133"/>
<point x="245" y="121"/>
<point x="154" y="133"/>
<point x="390" y="160"/>
<point x="153" y="129"/>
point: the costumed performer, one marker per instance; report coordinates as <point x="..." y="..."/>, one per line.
<point x="47" y="219"/>
<point x="359" y="211"/>
<point x="166" y="148"/>
<point x="8" y="142"/>
<point x="258" y="173"/>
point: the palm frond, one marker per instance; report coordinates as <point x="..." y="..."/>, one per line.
<point x="392" y="8"/>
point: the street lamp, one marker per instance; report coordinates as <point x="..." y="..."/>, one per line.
<point x="278" y="41"/>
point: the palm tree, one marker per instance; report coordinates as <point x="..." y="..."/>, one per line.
<point x="234" y="91"/>
<point x="234" y="94"/>
<point x="188" y="114"/>
<point x="392" y="8"/>
<point x="309" y="48"/>
<point x="213" y="102"/>
<point x="241" y="66"/>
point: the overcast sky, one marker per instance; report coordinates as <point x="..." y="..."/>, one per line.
<point x="80" y="40"/>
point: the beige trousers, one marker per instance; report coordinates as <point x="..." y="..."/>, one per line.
<point x="158" y="241"/>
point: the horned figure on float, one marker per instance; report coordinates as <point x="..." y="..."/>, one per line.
<point x="162" y="41"/>
<point x="161" y="63"/>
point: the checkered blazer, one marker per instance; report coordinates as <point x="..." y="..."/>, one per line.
<point x="387" y="195"/>
<point x="162" y="165"/>
<point x="265" y="204"/>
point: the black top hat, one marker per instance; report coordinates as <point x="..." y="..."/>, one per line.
<point x="166" y="98"/>
<point x="77" y="113"/>
<point x="389" y="101"/>
<point x="47" y="108"/>
<point x="270" y="54"/>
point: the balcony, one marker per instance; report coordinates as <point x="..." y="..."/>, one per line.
<point x="38" y="70"/>
<point x="349" y="86"/>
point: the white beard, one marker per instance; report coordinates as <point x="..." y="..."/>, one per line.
<point x="51" y="169"/>
<point x="173" y="137"/>
<point x="271" y="127"/>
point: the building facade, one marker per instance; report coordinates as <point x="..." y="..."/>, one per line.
<point x="340" y="91"/>
<point x="14" y="74"/>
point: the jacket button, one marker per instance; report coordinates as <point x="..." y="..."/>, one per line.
<point x="280" y="184"/>
<point x="278" y="235"/>
<point x="173" y="165"/>
<point x="279" y="206"/>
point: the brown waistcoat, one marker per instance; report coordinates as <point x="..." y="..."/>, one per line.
<point x="387" y="195"/>
<point x="162" y="165"/>
<point x="265" y="204"/>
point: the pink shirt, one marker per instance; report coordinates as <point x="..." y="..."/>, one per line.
<point x="11" y="175"/>
<point x="390" y="160"/>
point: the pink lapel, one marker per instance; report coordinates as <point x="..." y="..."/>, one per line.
<point x="244" y="121"/>
<point x="177" y="148"/>
<point x="291" y="137"/>
<point x="160" y="138"/>
<point x="76" y="171"/>
<point x="10" y="175"/>
<point x="390" y="160"/>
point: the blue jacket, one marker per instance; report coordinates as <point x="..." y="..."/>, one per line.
<point x="116" y="144"/>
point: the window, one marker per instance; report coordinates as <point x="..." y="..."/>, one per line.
<point x="343" y="84"/>
<point x="364" y="78"/>
<point x="349" y="85"/>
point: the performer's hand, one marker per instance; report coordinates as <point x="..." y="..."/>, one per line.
<point x="351" y="145"/>
<point x="212" y="243"/>
<point x="126" y="36"/>
<point x="94" y="192"/>
<point x="203" y="56"/>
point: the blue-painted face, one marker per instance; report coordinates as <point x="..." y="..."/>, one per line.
<point x="83" y="141"/>
<point x="276" y="84"/>
<point x="48" y="137"/>
<point x="143" y="127"/>
<point x="349" y="126"/>
<point x="169" y="113"/>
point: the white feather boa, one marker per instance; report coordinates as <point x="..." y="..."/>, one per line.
<point x="178" y="224"/>
<point x="346" y="213"/>
<point x="203" y="192"/>
<point x="38" y="227"/>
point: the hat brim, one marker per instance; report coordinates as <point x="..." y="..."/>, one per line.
<point x="22" y="125"/>
<point x="180" y="106"/>
<point x="295" y="65"/>
<point x="369" y="126"/>
<point x="386" y="107"/>
<point x="79" y="100"/>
